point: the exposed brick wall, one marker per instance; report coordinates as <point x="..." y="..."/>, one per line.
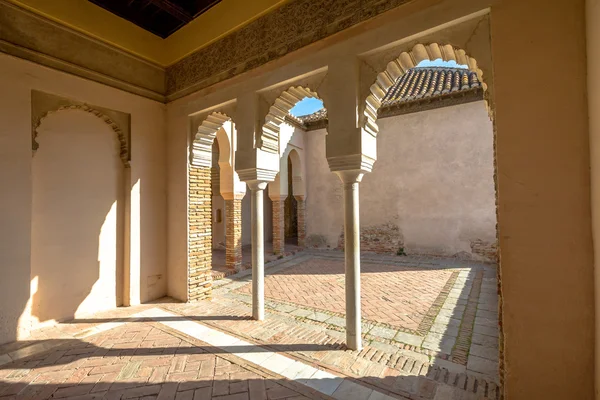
<point x="384" y="238"/>
<point x="199" y="235"/>
<point x="487" y="251"/>
<point x="301" y="222"/>
<point x="233" y="234"/>
<point x="278" y="226"/>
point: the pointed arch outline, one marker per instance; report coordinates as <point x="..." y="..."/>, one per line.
<point x="269" y="137"/>
<point x="396" y="68"/>
<point x="123" y="147"/>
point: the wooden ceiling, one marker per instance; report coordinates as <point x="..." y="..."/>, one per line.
<point x="160" y="17"/>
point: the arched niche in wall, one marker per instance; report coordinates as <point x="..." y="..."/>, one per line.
<point x="44" y="104"/>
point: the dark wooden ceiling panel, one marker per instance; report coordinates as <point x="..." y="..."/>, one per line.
<point x="161" y="17"/>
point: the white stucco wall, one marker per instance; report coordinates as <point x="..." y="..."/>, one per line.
<point x="147" y="256"/>
<point x="77" y="218"/>
<point x="433" y="179"/>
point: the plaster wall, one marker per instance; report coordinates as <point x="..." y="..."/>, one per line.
<point x="144" y="183"/>
<point x="77" y="219"/>
<point x="431" y="190"/>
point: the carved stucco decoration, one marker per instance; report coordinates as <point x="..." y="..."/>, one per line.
<point x="122" y="137"/>
<point x="269" y="138"/>
<point x="205" y="136"/>
<point x="398" y="67"/>
<point x="290" y="27"/>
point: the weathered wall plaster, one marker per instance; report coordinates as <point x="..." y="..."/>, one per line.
<point x="431" y="190"/>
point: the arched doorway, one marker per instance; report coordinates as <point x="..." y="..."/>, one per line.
<point x="214" y="204"/>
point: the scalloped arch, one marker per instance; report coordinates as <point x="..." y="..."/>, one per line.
<point x="123" y="149"/>
<point x="269" y="138"/>
<point x="407" y="60"/>
<point x="205" y="136"/>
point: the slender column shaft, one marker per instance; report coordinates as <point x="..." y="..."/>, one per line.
<point x="352" y="255"/>
<point x="258" y="253"/>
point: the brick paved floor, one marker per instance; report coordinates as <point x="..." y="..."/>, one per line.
<point x="455" y="357"/>
<point x="454" y="304"/>
<point x="139" y="361"/>
<point x="396" y="295"/>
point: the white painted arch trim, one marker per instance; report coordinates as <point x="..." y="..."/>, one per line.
<point x="407" y="60"/>
<point x="123" y="148"/>
<point x="269" y="138"/>
<point x="201" y="155"/>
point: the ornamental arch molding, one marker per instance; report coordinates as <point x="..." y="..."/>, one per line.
<point x="269" y="135"/>
<point x="407" y="60"/>
<point x="201" y="154"/>
<point x="121" y="135"/>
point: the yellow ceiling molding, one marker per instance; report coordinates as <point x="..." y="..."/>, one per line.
<point x="85" y="17"/>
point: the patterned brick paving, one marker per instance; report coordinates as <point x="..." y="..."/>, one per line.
<point x="387" y="367"/>
<point x="139" y="361"/>
<point x="395" y="295"/>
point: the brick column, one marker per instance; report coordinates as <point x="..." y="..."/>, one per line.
<point x="301" y="220"/>
<point x="199" y="277"/>
<point x="278" y="225"/>
<point x="233" y="233"/>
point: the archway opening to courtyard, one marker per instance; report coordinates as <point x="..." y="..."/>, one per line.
<point x="428" y="273"/>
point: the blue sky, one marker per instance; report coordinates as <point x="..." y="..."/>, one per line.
<point x="306" y="106"/>
<point x="440" y="63"/>
<point x="309" y="105"/>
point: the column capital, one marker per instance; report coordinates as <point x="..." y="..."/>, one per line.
<point x="277" y="196"/>
<point x="300" y="196"/>
<point x="351" y="176"/>
<point x="257" y="184"/>
<point x="257" y="174"/>
<point x="232" y="196"/>
<point x="350" y="162"/>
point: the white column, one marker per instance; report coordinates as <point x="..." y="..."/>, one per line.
<point x="351" y="179"/>
<point x="258" y="251"/>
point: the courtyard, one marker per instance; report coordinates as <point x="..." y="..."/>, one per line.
<point x="429" y="332"/>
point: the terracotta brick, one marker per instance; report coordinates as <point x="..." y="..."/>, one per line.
<point x="301" y="204"/>
<point x="233" y="234"/>
<point x="200" y="233"/>
<point x="278" y="226"/>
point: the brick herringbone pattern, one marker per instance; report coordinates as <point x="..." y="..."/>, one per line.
<point x="136" y="360"/>
<point x="395" y="295"/>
